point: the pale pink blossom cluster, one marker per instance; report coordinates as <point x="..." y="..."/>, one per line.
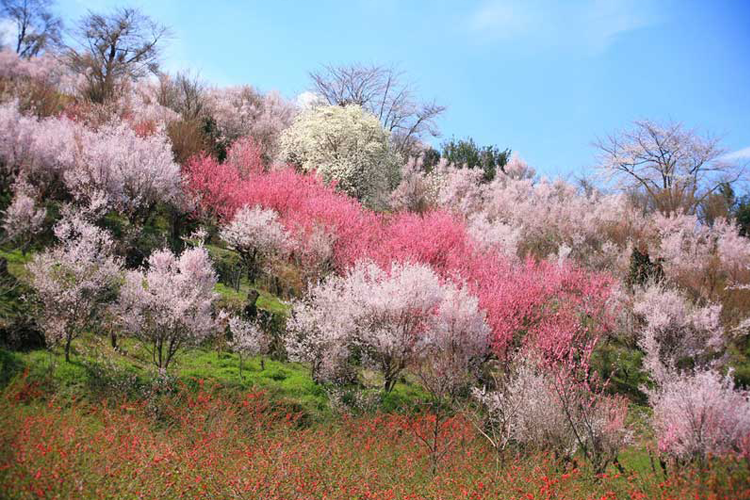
<point x="247" y="338"/>
<point x="417" y="190"/>
<point x="169" y="303"/>
<point x="133" y="173"/>
<point x="539" y="216"/>
<point x="22" y="219"/>
<point x="694" y="251"/>
<point x="396" y="319"/>
<point x="74" y="279"/>
<point x="675" y="329"/>
<point x="12" y="66"/>
<point x="701" y="414"/>
<point x="256" y="234"/>
<point x="528" y="408"/>
<point x="243" y="111"/>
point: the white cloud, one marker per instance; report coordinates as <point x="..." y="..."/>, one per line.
<point x="587" y="26"/>
<point x="740" y="154"/>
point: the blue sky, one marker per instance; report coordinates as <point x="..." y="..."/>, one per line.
<point x="543" y="78"/>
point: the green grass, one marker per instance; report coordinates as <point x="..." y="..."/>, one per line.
<point x="96" y="370"/>
<point x="266" y="300"/>
<point x="16" y="261"/>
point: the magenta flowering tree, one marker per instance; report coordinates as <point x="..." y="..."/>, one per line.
<point x="74" y="280"/>
<point x="169" y="303"/>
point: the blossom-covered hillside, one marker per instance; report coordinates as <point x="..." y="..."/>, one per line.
<point x="202" y="288"/>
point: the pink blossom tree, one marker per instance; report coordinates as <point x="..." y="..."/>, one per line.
<point x="22" y="219"/>
<point x="74" y="280"/>
<point x="417" y="189"/>
<point x="401" y="318"/>
<point x="256" y="234"/>
<point x="454" y="345"/>
<point x="135" y="173"/>
<point x="673" y="329"/>
<point x="700" y="414"/>
<point x="247" y="339"/>
<point x="169" y="303"/>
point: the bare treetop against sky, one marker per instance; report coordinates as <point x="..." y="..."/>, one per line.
<point x="543" y="78"/>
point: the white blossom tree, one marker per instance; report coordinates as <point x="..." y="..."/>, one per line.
<point x="346" y="145"/>
<point x="169" y="303"/>
<point x="384" y="92"/>
<point x="248" y="339"/>
<point x="74" y="280"/>
<point x="256" y="233"/>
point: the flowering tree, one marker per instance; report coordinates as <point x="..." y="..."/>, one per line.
<point x="216" y="187"/>
<point x="416" y="191"/>
<point x="455" y="343"/>
<point x="401" y="318"/>
<point x="244" y="112"/>
<point x="169" y="303"/>
<point x="383" y="92"/>
<point x="701" y="414"/>
<point x="247" y="339"/>
<point x="320" y="329"/>
<point x="346" y="145"/>
<point x="74" y="279"/>
<point x="676" y="168"/>
<point x="246" y="156"/>
<point x="256" y="234"/>
<point x="524" y="409"/>
<point x="133" y="172"/>
<point x="675" y="330"/>
<point x="23" y="219"/>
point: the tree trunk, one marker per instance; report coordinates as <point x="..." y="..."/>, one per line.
<point x="68" y="340"/>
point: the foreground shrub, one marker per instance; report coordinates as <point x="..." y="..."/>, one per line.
<point x="204" y="444"/>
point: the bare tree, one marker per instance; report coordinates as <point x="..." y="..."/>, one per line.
<point x="37" y="28"/>
<point x="184" y="93"/>
<point x="116" y="46"/>
<point x="382" y="91"/>
<point x="673" y="169"/>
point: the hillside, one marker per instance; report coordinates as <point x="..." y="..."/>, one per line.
<point x="214" y="292"/>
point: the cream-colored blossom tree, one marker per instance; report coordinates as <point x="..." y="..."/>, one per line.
<point x="346" y="145"/>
